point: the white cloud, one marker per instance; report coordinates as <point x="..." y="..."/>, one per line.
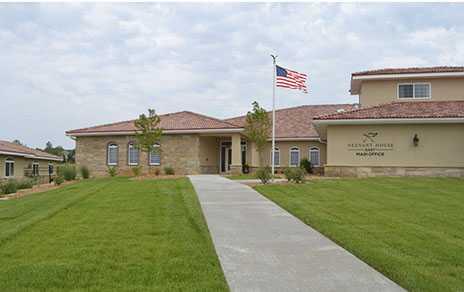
<point x="73" y="65"/>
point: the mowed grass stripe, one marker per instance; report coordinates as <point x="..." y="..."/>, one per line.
<point x="129" y="235"/>
<point x="410" y="229"/>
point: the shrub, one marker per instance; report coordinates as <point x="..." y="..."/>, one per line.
<point x="288" y="172"/>
<point x="112" y="171"/>
<point x="85" y="172"/>
<point x="157" y="171"/>
<point x="68" y="171"/>
<point x="299" y="175"/>
<point x="306" y="165"/>
<point x="9" y="187"/>
<point x="136" y="170"/>
<point x="295" y="174"/>
<point x="58" y="180"/>
<point x="264" y="174"/>
<point x="25" y="183"/>
<point x="168" y="170"/>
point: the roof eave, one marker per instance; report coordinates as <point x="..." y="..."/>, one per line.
<point x="389" y="121"/>
<point x="186" y="131"/>
<point x="28" y="155"/>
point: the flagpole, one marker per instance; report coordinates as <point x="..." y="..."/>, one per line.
<point x="274" y="57"/>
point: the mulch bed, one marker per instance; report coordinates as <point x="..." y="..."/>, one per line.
<point x="152" y="176"/>
<point x="35" y="189"/>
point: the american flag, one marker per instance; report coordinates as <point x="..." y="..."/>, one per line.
<point x="291" y="79"/>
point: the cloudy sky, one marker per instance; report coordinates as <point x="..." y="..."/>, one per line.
<point x="66" y="66"/>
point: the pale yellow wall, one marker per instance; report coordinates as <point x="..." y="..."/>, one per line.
<point x="209" y="151"/>
<point x="284" y="147"/>
<point x="440" y="145"/>
<point x="21" y="163"/>
<point x="374" y="92"/>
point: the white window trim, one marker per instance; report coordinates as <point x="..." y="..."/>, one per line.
<point x="294" y="149"/>
<point x="315" y="149"/>
<point x="38" y="168"/>
<point x="112" y="145"/>
<point x="149" y="156"/>
<point x="413" y="91"/>
<point x="129" y="146"/>
<point x="276" y="150"/>
<point x="8" y="161"/>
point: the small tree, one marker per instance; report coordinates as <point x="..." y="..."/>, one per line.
<point x="257" y="127"/>
<point x="148" y="131"/>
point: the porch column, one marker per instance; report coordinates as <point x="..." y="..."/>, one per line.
<point x="236" y="166"/>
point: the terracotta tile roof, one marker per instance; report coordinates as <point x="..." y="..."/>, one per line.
<point x="296" y="122"/>
<point x="412" y="70"/>
<point x="184" y="120"/>
<point x="403" y="110"/>
<point x="21" y="150"/>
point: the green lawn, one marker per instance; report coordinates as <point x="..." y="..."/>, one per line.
<point x="108" y="235"/>
<point x="410" y="229"/>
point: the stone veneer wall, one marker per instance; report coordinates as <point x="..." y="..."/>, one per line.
<point x="178" y="151"/>
<point x="362" y="171"/>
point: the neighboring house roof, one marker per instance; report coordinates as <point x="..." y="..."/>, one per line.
<point x="403" y="110"/>
<point x="13" y="149"/>
<point x="296" y="122"/>
<point x="403" y="73"/>
<point x="179" y="121"/>
<point x="439" y="69"/>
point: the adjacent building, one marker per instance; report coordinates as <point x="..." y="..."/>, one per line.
<point x="409" y="121"/>
<point x="18" y="161"/>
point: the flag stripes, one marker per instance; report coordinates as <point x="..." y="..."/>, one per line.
<point x="291" y="79"/>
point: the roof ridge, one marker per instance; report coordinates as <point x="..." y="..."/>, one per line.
<point x="379" y="70"/>
<point x="299" y="106"/>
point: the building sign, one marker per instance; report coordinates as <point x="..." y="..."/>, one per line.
<point x="370" y="146"/>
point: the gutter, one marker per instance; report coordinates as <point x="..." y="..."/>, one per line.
<point x="390" y="121"/>
<point x="27" y="155"/>
<point x="188" y="131"/>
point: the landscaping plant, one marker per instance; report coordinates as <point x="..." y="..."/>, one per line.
<point x="169" y="170"/>
<point x="9" y="187"/>
<point x="257" y="128"/>
<point x="295" y="174"/>
<point x="112" y="171"/>
<point x="58" y="180"/>
<point x="306" y="165"/>
<point x="264" y="174"/>
<point x="68" y="171"/>
<point x="85" y="172"/>
<point x="136" y="170"/>
<point x="157" y="171"/>
<point x="26" y="183"/>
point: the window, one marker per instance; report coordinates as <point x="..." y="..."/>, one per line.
<point x="50" y="169"/>
<point x="414" y="90"/>
<point x="294" y="156"/>
<point x="9" y="167"/>
<point x="314" y="156"/>
<point x="276" y="157"/>
<point x="155" y="155"/>
<point x="35" y="168"/>
<point x="132" y="154"/>
<point x="112" y="154"/>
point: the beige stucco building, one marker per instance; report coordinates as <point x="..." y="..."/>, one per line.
<point x="409" y="121"/>
<point x="18" y="161"/>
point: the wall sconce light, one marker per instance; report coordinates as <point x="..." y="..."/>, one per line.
<point x="415" y="140"/>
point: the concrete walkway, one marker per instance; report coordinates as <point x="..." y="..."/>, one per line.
<point x="262" y="247"/>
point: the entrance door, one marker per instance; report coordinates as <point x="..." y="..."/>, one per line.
<point x="226" y="157"/>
